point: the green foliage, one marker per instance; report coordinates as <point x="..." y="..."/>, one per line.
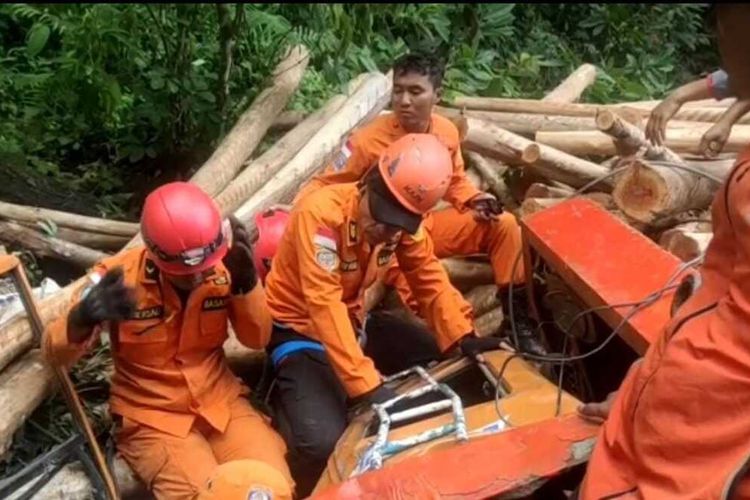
<point x="100" y="95"/>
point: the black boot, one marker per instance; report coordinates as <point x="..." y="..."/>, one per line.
<point x="525" y="327"/>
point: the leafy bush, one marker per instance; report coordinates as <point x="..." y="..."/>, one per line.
<point x="100" y="95"/>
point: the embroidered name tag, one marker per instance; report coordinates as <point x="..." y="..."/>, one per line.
<point x="214" y="303"/>
<point x="148" y="313"/>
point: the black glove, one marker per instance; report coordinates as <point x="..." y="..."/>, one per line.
<point x="487" y="205"/>
<point x="108" y="300"/>
<point x="471" y="345"/>
<point x="379" y="395"/>
<point x="239" y="259"/>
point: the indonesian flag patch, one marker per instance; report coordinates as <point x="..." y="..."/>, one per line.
<point x="343" y="155"/>
<point x="325" y="238"/>
<point x="326" y="247"/>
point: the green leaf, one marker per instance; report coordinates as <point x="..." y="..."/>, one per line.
<point x="48" y="227"/>
<point x="37" y="39"/>
<point x="198" y="62"/>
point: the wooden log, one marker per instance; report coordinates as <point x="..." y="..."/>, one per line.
<point x="368" y="100"/>
<point x="247" y="133"/>
<point x="23" y="386"/>
<point x="96" y="241"/>
<point x="526" y="124"/>
<point x="483" y="299"/>
<point x="12" y="233"/>
<point x="534" y="205"/>
<point x="476" y="179"/>
<point x="574" y="85"/>
<point x="633" y="137"/>
<point x="492" y="172"/>
<point x="711" y="114"/>
<point x="287" y="120"/>
<point x="684" y="243"/>
<point x="492" y="141"/>
<point x="648" y="190"/>
<point x="681" y="140"/>
<point x="263" y="168"/>
<point x="541" y="190"/>
<point x="465" y="274"/>
<point x="489" y="323"/>
<point x="33" y="215"/>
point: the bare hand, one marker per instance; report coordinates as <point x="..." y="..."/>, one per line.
<point x="597" y="412"/>
<point x="656" y="128"/>
<point x="714" y="139"/>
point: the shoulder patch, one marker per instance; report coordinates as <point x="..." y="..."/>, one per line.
<point x="148" y="313"/>
<point x="325" y="238"/>
<point x="215" y="303"/>
<point x="151" y="272"/>
<point x="326" y="259"/>
<point x="384" y="256"/>
<point x="342" y="156"/>
<point x="349" y="265"/>
<point x="353" y="232"/>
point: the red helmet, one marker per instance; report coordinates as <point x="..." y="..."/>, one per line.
<point x="271" y="225"/>
<point x="182" y="229"/>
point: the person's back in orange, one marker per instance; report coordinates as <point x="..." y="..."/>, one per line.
<point x="180" y="411"/>
<point x="474" y="224"/>
<point x="678" y="426"/>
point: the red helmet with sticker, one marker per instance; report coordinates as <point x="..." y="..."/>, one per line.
<point x="271" y="225"/>
<point x="182" y="229"/>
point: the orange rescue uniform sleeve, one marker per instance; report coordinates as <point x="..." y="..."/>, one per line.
<point x="461" y="190"/>
<point x="349" y="164"/>
<point x="251" y="318"/>
<point x="446" y="311"/>
<point x="320" y="281"/>
<point x="56" y="347"/>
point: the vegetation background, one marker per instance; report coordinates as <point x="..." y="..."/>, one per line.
<point x="99" y="103"/>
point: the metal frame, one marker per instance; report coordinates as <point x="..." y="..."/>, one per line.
<point x="381" y="448"/>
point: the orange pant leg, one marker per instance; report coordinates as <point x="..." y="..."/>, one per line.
<point x="172" y="468"/>
<point x="250" y="436"/>
<point x="458" y="234"/>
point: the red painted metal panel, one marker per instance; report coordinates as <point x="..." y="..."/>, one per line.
<point x="606" y="262"/>
<point x="514" y="460"/>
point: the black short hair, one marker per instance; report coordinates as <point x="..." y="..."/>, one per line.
<point x="422" y="63"/>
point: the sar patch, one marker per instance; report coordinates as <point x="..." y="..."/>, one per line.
<point x="353" y="232"/>
<point x="326" y="259"/>
<point x="148" y="313"/>
<point x="348" y="266"/>
<point x="215" y="303"/>
<point x="150" y="272"/>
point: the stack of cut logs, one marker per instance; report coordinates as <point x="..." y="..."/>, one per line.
<point x="532" y="154"/>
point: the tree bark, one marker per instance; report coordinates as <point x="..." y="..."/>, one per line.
<point x="23" y="386"/>
<point x="483" y="299"/>
<point x="573" y="86"/>
<point x="632" y="137"/>
<point x="649" y="190"/>
<point x="494" y="142"/>
<point x="680" y="140"/>
<point x="489" y="323"/>
<point x="534" y="205"/>
<point x="541" y="190"/>
<point x="263" y="168"/>
<point x="465" y="274"/>
<point x="368" y="100"/>
<point x="492" y="172"/>
<point x="708" y="114"/>
<point x="32" y="215"/>
<point x="96" y="241"/>
<point x="12" y="233"/>
<point x="287" y="120"/>
<point x="685" y="241"/>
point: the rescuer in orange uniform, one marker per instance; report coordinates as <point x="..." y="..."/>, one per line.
<point x="179" y="409"/>
<point x="678" y="427"/>
<point x="337" y="240"/>
<point x="475" y="224"/>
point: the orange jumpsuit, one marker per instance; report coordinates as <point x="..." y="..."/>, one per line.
<point x="454" y="230"/>
<point x="182" y="411"/>
<point x="323" y="266"/>
<point x="679" y="426"/>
